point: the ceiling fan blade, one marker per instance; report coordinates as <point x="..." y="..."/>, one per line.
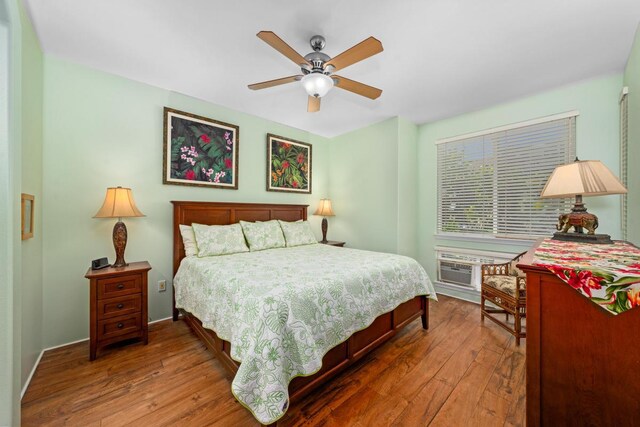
<point x="357" y="87"/>
<point x="362" y="50"/>
<point x="313" y="105"/>
<point x="278" y="44"/>
<point x="276" y="82"/>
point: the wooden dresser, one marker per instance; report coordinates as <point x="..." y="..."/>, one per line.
<point x="118" y="305"/>
<point x="583" y="364"/>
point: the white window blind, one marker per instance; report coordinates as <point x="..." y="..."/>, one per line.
<point x="490" y="183"/>
<point x="624" y="141"/>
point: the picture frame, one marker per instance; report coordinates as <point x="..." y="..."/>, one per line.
<point x="199" y="151"/>
<point x="27" y="209"/>
<point x="297" y="159"/>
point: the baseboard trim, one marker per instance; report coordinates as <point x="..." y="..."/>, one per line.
<point x="458" y="292"/>
<point x="33" y="371"/>
<point x="161" y="320"/>
<point x="64" y="345"/>
<point x="35" y="365"/>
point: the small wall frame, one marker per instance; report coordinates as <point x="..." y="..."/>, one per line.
<point x="27" y="209"/>
<point x="288" y="165"/>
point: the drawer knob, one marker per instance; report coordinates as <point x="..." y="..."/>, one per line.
<point x="120" y="325"/>
<point x="120" y="305"/>
<point x="120" y="285"/>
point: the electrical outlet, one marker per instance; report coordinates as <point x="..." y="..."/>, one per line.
<point x="162" y="285"/>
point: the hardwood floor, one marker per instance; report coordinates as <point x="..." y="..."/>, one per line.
<point x="460" y="372"/>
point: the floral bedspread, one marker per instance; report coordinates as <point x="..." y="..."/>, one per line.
<point x="284" y="309"/>
<point x="609" y="275"/>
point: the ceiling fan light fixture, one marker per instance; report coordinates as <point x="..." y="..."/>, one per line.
<point x="317" y="84"/>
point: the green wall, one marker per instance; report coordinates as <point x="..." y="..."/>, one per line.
<point x="374" y="185"/>
<point x="364" y="170"/>
<point x="632" y="81"/>
<point x="31" y="287"/>
<point x="597" y="136"/>
<point x="102" y="130"/>
<point x="407" y="237"/>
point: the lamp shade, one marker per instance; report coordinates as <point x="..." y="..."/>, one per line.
<point x="324" y="208"/>
<point x="317" y="84"/>
<point x="582" y="177"/>
<point x="118" y="203"/>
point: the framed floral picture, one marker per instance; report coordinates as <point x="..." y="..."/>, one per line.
<point x="288" y="165"/>
<point x="199" y="151"/>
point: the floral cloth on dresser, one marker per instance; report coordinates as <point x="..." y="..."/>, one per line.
<point x="609" y="275"/>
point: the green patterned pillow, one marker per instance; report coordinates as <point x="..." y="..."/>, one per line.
<point x="219" y="239"/>
<point x="188" y="240"/>
<point x="263" y="235"/>
<point x="298" y="233"/>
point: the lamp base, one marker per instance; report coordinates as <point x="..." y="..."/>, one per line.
<point x="120" y="243"/>
<point x="603" y="239"/>
<point x="325" y="227"/>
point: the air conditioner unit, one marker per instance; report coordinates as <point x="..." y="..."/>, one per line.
<point x="454" y="272"/>
<point x="459" y="267"/>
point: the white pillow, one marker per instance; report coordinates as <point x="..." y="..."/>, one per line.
<point x="219" y="239"/>
<point x="188" y="240"/>
<point x="298" y="233"/>
<point x="263" y="235"/>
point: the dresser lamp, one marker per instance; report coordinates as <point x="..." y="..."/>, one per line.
<point x="324" y="210"/>
<point x="118" y="203"/>
<point x="578" y="179"/>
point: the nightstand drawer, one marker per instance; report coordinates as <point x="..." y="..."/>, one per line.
<point x="119" y="326"/>
<point x="119" y="286"/>
<point x="119" y="306"/>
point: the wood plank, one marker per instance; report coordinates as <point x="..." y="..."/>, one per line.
<point x="103" y="369"/>
<point x="425" y="405"/>
<point x="508" y="375"/>
<point x="491" y="411"/>
<point x="516" y="416"/>
<point x="368" y="408"/>
<point x="454" y="369"/>
<point x="408" y="381"/>
<point x="174" y="407"/>
<point x="462" y="402"/>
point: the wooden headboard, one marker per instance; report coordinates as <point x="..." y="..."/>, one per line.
<point x="223" y="213"/>
<point x="219" y="213"/>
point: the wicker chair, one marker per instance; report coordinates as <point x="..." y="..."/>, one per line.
<point x="505" y="285"/>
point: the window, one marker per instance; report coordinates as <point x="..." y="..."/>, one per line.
<point x="489" y="183"/>
<point x="624" y="142"/>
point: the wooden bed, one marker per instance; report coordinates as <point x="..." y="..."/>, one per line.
<point x="337" y="359"/>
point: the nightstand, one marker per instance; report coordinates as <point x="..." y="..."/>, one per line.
<point x="118" y="304"/>
<point x="333" y="243"/>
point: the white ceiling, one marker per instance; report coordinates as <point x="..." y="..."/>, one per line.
<point x="441" y="57"/>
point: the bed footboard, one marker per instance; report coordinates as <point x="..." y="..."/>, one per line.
<point x="361" y="343"/>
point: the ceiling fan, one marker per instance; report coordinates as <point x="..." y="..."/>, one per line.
<point x="317" y="68"/>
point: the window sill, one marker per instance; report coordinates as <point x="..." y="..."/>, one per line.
<point x="486" y="239"/>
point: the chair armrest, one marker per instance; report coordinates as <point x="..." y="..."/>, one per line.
<point x="495" y="269"/>
<point x="503" y="269"/>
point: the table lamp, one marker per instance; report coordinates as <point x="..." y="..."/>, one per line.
<point x="118" y="203"/>
<point x="581" y="178"/>
<point x="324" y="210"/>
